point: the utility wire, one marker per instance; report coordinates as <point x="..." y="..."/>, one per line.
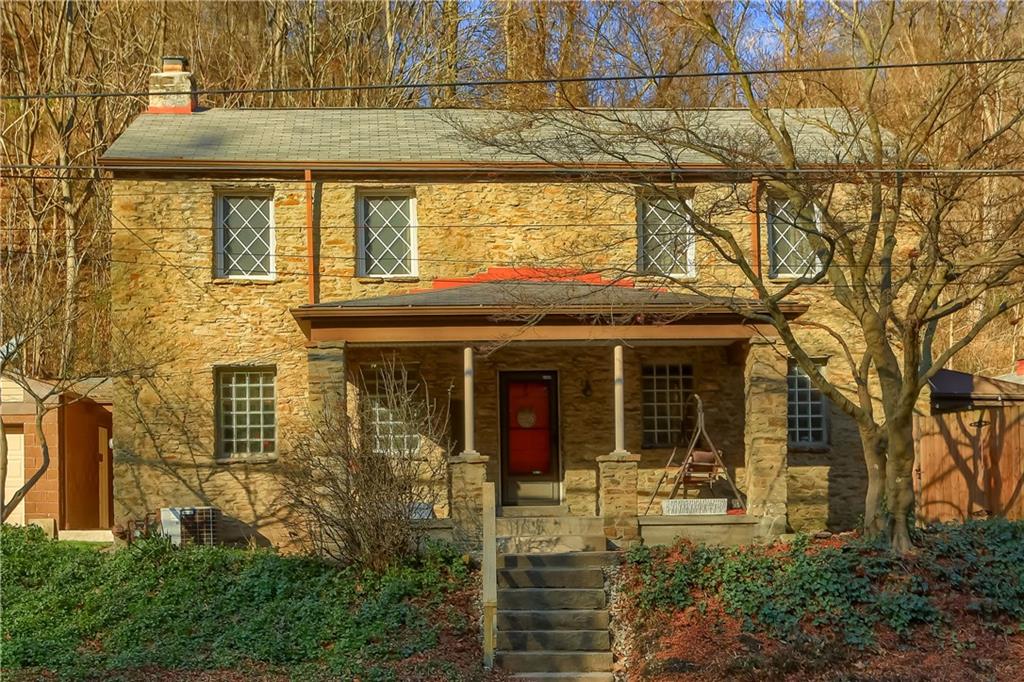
<point x="527" y="81"/>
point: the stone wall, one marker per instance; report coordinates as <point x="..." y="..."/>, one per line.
<point x="185" y="323"/>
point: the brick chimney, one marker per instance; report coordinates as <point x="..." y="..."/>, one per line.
<point x="1018" y="368"/>
<point x="172" y="90"/>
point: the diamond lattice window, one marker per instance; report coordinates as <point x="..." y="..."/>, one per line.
<point x="792" y="243"/>
<point x="245" y="237"/>
<point x="808" y="416"/>
<point x="666" y="238"/>
<point x="669" y="413"/>
<point x="246" y="410"/>
<point x="387" y="234"/>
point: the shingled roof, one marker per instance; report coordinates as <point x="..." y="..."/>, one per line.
<point x="565" y="297"/>
<point x="397" y="137"/>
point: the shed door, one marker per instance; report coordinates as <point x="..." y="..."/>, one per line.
<point x="530" y="438"/>
<point x="15" y="474"/>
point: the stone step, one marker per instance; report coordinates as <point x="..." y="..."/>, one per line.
<point x="534" y="510"/>
<point x="554" y="661"/>
<point x="564" y="619"/>
<point x="553" y="640"/>
<point x="550" y="544"/>
<point x="551" y="577"/>
<point x="564" y="677"/>
<point x="549" y="526"/>
<point x="539" y="598"/>
<point x="597" y="559"/>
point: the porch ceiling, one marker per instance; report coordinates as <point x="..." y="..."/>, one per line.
<point x="536" y="312"/>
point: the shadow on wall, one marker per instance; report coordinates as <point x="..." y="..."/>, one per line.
<point x="164" y="456"/>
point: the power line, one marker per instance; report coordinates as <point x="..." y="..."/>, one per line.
<point x="528" y="81"/>
<point x="653" y="168"/>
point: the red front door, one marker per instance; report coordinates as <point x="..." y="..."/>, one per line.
<point x="529" y="421"/>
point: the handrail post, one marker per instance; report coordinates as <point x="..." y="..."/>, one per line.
<point x="490" y="574"/>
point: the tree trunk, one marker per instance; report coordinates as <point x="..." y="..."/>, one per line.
<point x="899" y="481"/>
<point x="875" y="459"/>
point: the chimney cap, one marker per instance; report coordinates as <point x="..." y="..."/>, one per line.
<point x="174" y="63"/>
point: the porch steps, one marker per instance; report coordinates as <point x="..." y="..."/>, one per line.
<point x="552" y="610"/>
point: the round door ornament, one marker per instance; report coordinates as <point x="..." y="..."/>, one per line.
<point x="526" y="418"/>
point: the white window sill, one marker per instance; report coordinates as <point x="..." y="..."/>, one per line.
<point x="245" y="459"/>
<point x="247" y="281"/>
<point x="380" y="279"/>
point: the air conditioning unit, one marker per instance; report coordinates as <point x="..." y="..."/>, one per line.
<point x="191" y="525"/>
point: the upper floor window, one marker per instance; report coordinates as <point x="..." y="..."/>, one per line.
<point x="792" y="244"/>
<point x="245" y="236"/>
<point x="806" y="410"/>
<point x="668" y="414"/>
<point x="667" y="245"/>
<point x="246" y="411"/>
<point x="387" y="235"/>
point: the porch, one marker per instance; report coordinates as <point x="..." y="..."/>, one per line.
<point x="569" y="401"/>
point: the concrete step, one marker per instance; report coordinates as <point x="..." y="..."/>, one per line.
<point x="564" y="677"/>
<point x="553" y="640"/>
<point x="539" y="598"/>
<point x="534" y="510"/>
<point x="554" y="661"/>
<point x="551" y="577"/>
<point x="549" y="525"/>
<point x="550" y="544"/>
<point x="564" y="619"/>
<point x="595" y="559"/>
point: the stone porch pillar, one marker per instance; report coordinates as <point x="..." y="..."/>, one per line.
<point x="467" y="471"/>
<point x="765" y="435"/>
<point x="618" y="481"/>
<point x="328" y="378"/>
<point x="618" y="474"/>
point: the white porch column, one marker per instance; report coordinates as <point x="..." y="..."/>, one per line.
<point x="620" y="403"/>
<point x="468" y="402"/>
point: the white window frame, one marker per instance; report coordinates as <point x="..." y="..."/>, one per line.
<point x="773" y="261"/>
<point x="219" y="257"/>
<point x="685" y="373"/>
<point x="826" y="429"/>
<point x="370" y="376"/>
<point x="643" y="265"/>
<point x="414" y="261"/>
<point x="218" y="373"/>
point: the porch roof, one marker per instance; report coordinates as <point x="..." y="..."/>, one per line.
<point x="535" y="311"/>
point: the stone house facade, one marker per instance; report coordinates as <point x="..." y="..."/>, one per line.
<point x="266" y="260"/>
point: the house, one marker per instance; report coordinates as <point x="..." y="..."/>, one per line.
<point x="267" y="259"/>
<point x="74" y="496"/>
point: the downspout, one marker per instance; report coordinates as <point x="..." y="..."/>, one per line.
<point x="310" y="249"/>
<point x="755" y="228"/>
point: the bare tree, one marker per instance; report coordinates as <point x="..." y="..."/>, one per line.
<point x="878" y="187"/>
<point x="361" y="484"/>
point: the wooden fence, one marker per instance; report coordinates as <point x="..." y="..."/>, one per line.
<point x="969" y="464"/>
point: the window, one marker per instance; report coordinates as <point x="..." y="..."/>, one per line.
<point x="791" y="242"/>
<point x="807" y="410"/>
<point x="245" y="236"/>
<point x="667" y="246"/>
<point x="387" y="235"/>
<point x="247" y="423"/>
<point x="669" y="413"/>
<point x="392" y="409"/>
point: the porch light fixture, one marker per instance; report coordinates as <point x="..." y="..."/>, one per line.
<point x="588" y="390"/>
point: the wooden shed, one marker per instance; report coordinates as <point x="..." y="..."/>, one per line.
<point x="970" y="449"/>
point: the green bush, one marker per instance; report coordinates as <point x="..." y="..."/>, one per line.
<point x="77" y="610"/>
<point x="846" y="590"/>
